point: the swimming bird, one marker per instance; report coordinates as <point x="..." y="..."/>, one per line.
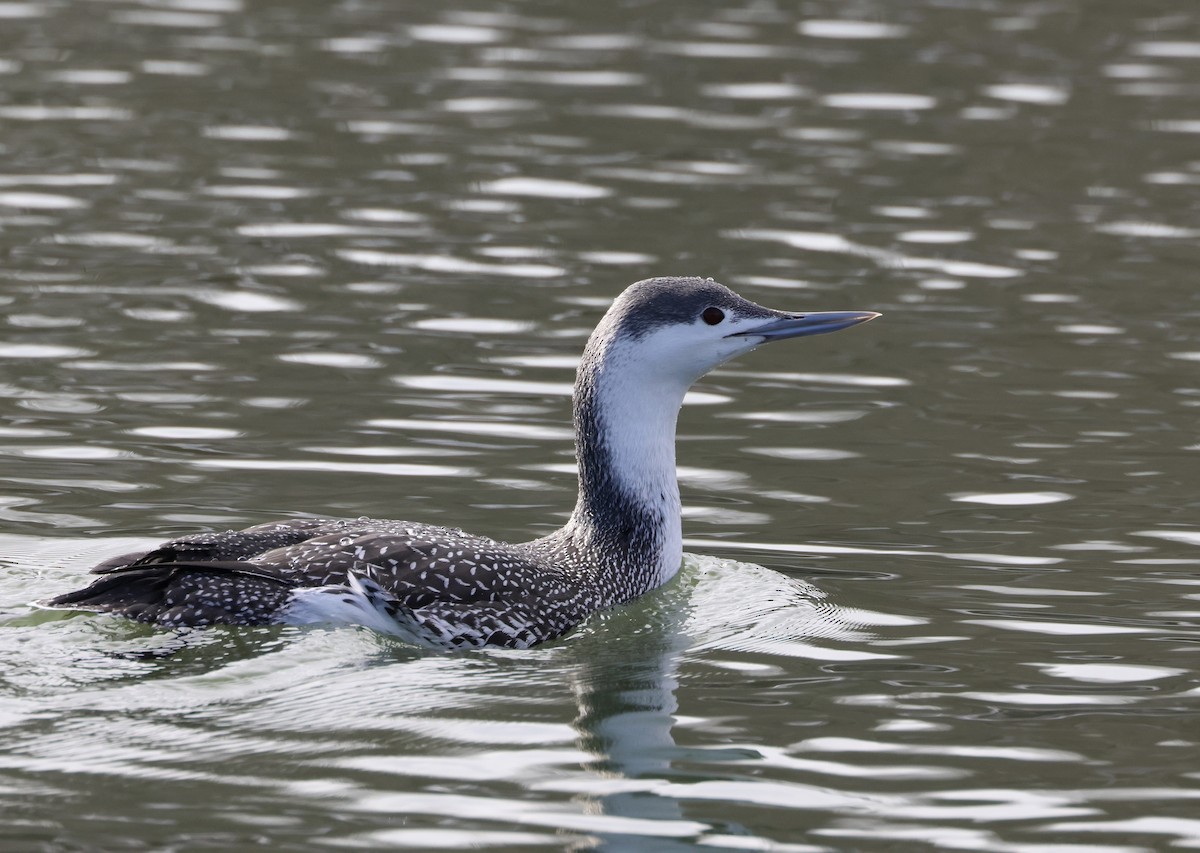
<point x="440" y="587"/>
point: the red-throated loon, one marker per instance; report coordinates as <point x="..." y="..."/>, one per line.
<point x="444" y="588"/>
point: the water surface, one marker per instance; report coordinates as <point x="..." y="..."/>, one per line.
<point x="262" y="260"/>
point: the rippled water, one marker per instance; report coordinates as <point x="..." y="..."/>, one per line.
<point x="270" y="259"/>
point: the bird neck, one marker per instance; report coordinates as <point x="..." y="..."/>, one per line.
<point x="628" y="509"/>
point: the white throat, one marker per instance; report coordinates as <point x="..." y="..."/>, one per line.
<point x="638" y="415"/>
<point x="633" y="404"/>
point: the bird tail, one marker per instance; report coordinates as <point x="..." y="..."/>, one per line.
<point x="179" y="594"/>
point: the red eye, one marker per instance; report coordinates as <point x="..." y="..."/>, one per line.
<point x="712" y="316"/>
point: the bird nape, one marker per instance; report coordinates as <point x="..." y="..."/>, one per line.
<point x="443" y="588"/>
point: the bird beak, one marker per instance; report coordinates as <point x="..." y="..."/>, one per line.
<point x="813" y="323"/>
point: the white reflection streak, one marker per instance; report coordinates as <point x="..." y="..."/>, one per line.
<point x="395" y="469"/>
<point x="541" y="814"/>
<point x="815" y="241"/>
<point x="1011" y="753"/>
<point x="1186" y="830"/>
<point x="445" y="264"/>
<point x="495" y="429"/>
<point x="803" y="548"/>
<point x="1187" y="537"/>
<point x="1107" y="673"/>
<point x="773" y="757"/>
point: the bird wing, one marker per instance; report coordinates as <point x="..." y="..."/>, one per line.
<point x="419" y="565"/>
<point x="228" y="544"/>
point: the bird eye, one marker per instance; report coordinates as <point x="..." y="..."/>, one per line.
<point x="712" y="316"/>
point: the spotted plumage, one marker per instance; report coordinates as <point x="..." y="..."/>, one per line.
<point x="444" y="588"/>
